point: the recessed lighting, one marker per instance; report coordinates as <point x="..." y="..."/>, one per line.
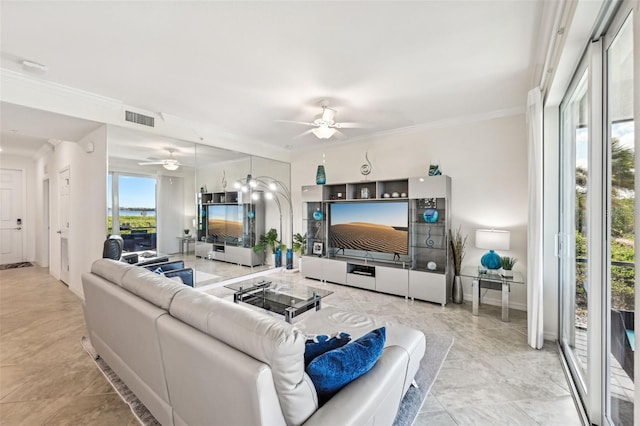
<point x="33" y="66"/>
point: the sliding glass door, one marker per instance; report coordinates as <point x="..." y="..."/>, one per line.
<point x="597" y="225"/>
<point x="620" y="230"/>
<point x="573" y="229"/>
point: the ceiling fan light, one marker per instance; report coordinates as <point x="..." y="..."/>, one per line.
<point x="323" y="132"/>
<point x="170" y="166"/>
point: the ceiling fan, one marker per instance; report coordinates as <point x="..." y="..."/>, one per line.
<point x="168" y="163"/>
<point x="324" y="126"/>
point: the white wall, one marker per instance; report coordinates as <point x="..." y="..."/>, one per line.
<point x="170" y="213"/>
<point x="88" y="205"/>
<point x="29" y="225"/>
<point x="487" y="162"/>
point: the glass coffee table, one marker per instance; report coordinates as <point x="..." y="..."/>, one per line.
<point x="283" y="299"/>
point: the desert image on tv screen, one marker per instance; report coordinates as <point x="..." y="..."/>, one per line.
<point x="376" y="227"/>
<point x="225" y="222"/>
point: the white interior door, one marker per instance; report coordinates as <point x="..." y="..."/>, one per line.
<point x="63" y="222"/>
<point x="11" y="218"/>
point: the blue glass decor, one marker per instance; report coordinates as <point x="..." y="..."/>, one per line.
<point x="318" y="215"/>
<point x="434" y="170"/>
<point x="430" y="215"/>
<point x="251" y="214"/>
<point x="278" y="255"/>
<point x="429" y="241"/>
<point x="321" y="177"/>
<point x="491" y="260"/>
<point x="289" y="257"/>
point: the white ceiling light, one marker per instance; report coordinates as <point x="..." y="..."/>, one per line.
<point x="171" y="165"/>
<point x="323" y="132"/>
<point x="33" y="66"/>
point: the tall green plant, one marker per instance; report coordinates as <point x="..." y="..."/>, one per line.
<point x="300" y="243"/>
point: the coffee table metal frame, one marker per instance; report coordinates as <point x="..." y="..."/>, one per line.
<point x="261" y="293"/>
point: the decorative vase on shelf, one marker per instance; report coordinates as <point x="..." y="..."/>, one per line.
<point x="318" y="215"/>
<point x="289" y="258"/>
<point x="508" y="273"/>
<point x="456" y="292"/>
<point x="278" y="257"/>
<point x="430" y="215"/>
<point x="321" y="177"/>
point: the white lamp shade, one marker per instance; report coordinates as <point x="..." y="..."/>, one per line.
<point x="493" y="239"/>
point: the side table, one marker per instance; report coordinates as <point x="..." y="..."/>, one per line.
<point x="185" y="241"/>
<point x="494" y="281"/>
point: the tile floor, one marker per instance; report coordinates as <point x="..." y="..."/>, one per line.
<point x="491" y="376"/>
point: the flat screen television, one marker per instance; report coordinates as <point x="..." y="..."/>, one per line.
<point x="224" y="222"/>
<point x="372" y="226"/>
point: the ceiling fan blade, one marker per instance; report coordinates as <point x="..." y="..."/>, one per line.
<point x="302" y="134"/>
<point x="149" y="163"/>
<point x="351" y="126"/>
<point x="304" y="123"/>
<point x="339" y="134"/>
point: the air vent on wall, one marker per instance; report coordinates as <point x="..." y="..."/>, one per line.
<point x="134" y="117"/>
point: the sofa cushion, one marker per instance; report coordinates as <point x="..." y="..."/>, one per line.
<point x="111" y="270"/>
<point x="154" y="288"/>
<point x="259" y="335"/>
<point x="318" y="344"/>
<point x="333" y="370"/>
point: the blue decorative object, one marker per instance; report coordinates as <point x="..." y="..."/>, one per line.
<point x="289" y="258"/>
<point x="321" y="178"/>
<point x="319" y="344"/>
<point x="318" y="215"/>
<point x="491" y="260"/>
<point x="251" y="214"/>
<point x="434" y="170"/>
<point x="333" y="370"/>
<point x="430" y="215"/>
<point x="429" y="242"/>
<point x="278" y="255"/>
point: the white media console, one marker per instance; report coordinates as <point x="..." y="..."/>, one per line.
<point x="425" y="273"/>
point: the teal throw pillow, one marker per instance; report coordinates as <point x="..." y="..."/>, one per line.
<point x="321" y="343"/>
<point x="335" y="369"/>
<point x="158" y="270"/>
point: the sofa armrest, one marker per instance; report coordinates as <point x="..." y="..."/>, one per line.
<point x="371" y="399"/>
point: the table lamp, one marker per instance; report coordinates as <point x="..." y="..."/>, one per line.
<point x="492" y="239"/>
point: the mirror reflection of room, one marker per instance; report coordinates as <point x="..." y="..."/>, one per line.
<point x="174" y="199"/>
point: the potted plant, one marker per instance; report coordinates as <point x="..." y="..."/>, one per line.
<point x="270" y="241"/>
<point x="458" y="243"/>
<point x="507" y="264"/>
<point x="300" y="246"/>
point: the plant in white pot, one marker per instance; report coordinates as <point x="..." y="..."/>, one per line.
<point x="300" y="247"/>
<point x="458" y="243"/>
<point x="507" y="264"/>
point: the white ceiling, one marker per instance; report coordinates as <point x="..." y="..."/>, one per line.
<point x="240" y="66"/>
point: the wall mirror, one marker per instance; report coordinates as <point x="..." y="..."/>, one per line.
<point x="196" y="202"/>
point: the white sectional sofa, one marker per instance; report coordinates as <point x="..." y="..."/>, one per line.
<point x="196" y="359"/>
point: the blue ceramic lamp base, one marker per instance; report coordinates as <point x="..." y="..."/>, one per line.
<point x="491" y="260"/>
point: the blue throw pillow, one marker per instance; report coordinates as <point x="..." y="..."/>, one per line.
<point x="333" y="370"/>
<point x="322" y="343"/>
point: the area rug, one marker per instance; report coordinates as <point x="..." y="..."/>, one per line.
<point x="204" y="276"/>
<point x="15" y="265"/>
<point x="438" y="347"/>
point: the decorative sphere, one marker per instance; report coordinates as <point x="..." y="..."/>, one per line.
<point x="491" y="260"/>
<point x="251" y="214"/>
<point x="318" y="215"/>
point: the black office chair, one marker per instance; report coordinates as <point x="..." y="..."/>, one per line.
<point x="112" y="247"/>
